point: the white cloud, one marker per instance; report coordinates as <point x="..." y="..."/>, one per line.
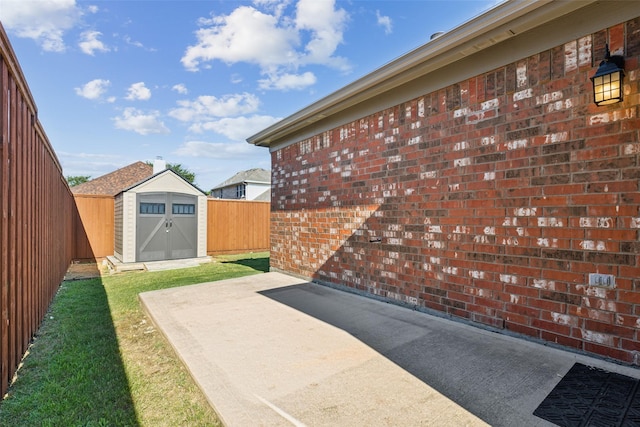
<point x="326" y="25"/>
<point x="90" y="43"/>
<point x="226" y="115"/>
<point x="271" y="40"/>
<point x="276" y="6"/>
<point x="288" y="81"/>
<point x="206" y="107"/>
<point x="384" y="22"/>
<point x="88" y="156"/>
<point x="44" y="21"/>
<point x="95" y="165"/>
<point x="131" y="42"/>
<point x="93" y="89"/>
<point x="128" y="40"/>
<point x="235" y="128"/>
<point x="180" y="88"/>
<point x="213" y="150"/>
<point x="246" y="35"/>
<point x="139" y="122"/>
<point x="138" y="92"/>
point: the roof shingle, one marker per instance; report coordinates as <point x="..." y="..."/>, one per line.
<point x="116" y="181"/>
<point x="252" y="175"/>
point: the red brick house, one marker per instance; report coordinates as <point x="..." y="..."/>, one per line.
<point x="474" y="177"/>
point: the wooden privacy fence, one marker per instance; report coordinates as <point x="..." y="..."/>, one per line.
<point x="38" y="217"/>
<point x="44" y="227"/>
<point x="233" y="226"/>
<point x="95" y="230"/>
<point x="236" y="226"/>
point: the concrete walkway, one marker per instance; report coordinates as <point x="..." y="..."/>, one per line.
<point x="273" y="350"/>
<point x="117" y="266"/>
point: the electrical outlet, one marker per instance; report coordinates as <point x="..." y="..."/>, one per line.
<point x="603" y="280"/>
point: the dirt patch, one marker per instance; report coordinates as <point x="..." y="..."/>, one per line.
<point x="81" y="271"/>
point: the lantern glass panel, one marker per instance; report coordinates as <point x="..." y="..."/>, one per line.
<point x="607" y="88"/>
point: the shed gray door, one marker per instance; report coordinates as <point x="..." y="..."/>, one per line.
<point x="167" y="226"/>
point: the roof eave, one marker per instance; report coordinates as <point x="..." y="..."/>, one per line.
<point x="150" y="177"/>
<point x="244" y="181"/>
<point x="494" y="26"/>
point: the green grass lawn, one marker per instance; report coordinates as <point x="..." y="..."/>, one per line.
<point x="98" y="361"/>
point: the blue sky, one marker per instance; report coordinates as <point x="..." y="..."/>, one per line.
<point x="120" y="81"/>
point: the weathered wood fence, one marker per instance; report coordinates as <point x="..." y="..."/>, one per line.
<point x="233" y="226"/>
<point x="44" y="227"/>
<point x="95" y="230"/>
<point x="38" y="217"/>
<point x="236" y="226"/>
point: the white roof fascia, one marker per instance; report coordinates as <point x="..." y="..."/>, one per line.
<point x="244" y="181"/>
<point x="502" y="22"/>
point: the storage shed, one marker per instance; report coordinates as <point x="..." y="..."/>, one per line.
<point x="160" y="218"/>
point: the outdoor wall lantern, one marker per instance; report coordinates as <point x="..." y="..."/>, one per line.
<point x="607" y="81"/>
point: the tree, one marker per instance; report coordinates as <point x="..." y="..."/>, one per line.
<point x="180" y="170"/>
<point x="77" y="180"/>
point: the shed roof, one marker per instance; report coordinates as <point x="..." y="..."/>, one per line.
<point x="168" y="180"/>
<point x="116" y="181"/>
<point x="257" y="175"/>
<point x="506" y="33"/>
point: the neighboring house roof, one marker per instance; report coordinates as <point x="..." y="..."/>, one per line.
<point x="264" y="197"/>
<point x="506" y="33"/>
<point x="116" y="181"/>
<point x="257" y="176"/>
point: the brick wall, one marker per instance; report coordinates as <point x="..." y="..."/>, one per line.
<point x="492" y="200"/>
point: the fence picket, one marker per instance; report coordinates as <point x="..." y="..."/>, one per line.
<point x="35" y="207"/>
<point x="44" y="227"/>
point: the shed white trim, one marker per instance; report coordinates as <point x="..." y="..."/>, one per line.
<point x="166" y="181"/>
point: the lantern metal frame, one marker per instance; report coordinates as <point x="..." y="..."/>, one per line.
<point x="608" y="80"/>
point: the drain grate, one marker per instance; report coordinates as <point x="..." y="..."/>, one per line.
<point x="588" y="396"/>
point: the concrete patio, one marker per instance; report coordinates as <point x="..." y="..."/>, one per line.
<point x="274" y="350"/>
